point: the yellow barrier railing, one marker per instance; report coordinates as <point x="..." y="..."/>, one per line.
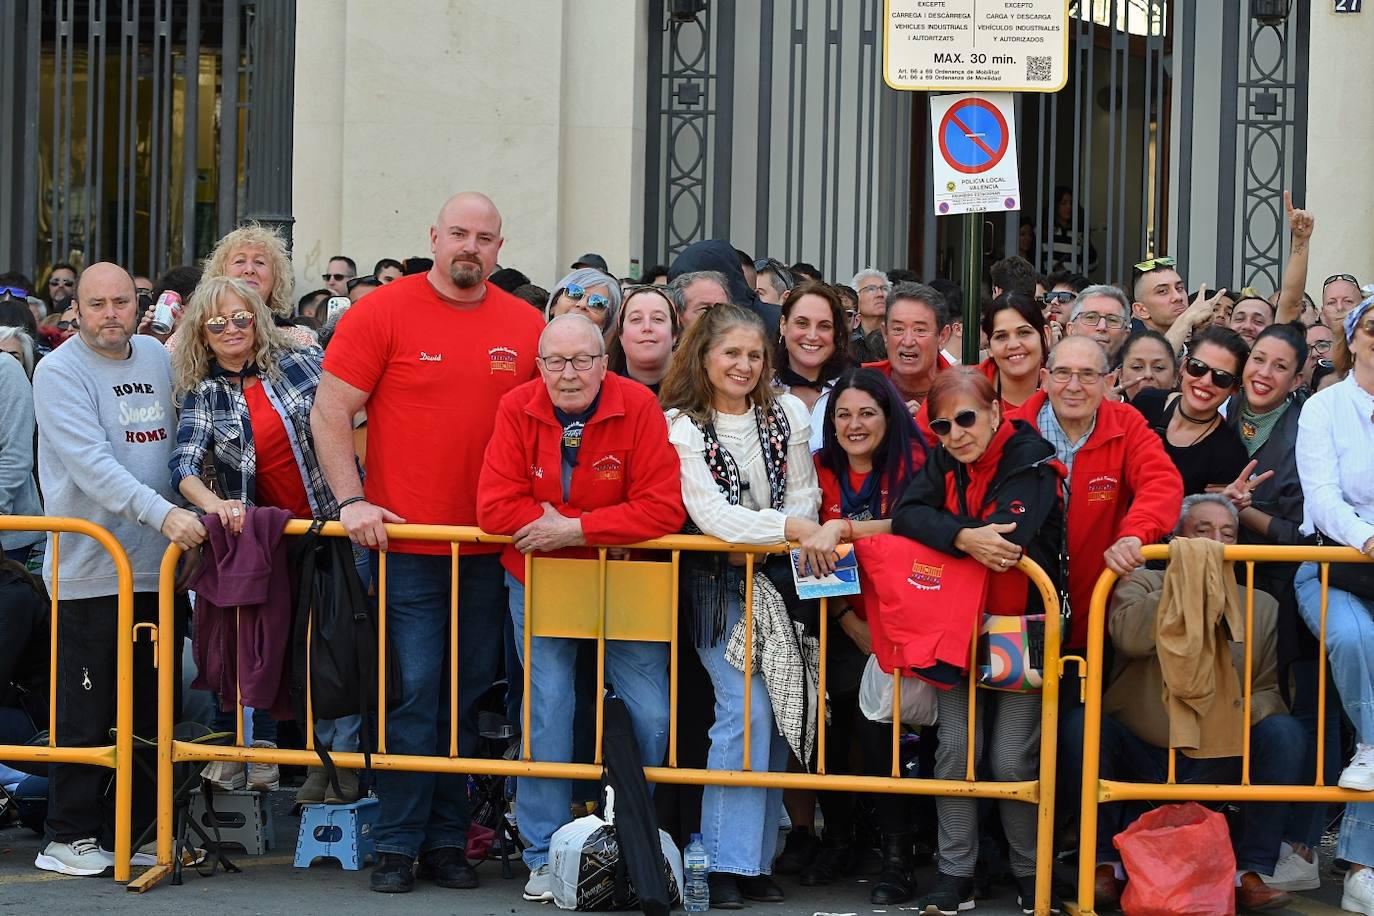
<point x="1097" y="791"/>
<point x="615" y="597"/>
<point x="117" y="756"/>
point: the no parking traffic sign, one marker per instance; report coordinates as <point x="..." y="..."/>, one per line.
<point x="974" y="141"/>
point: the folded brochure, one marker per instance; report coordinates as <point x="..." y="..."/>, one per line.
<point x="843" y="581"/>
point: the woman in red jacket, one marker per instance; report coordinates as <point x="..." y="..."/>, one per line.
<point x="871" y="450"/>
<point x="990" y="490"/>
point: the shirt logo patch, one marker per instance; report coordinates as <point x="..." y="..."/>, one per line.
<point x="925" y="577"/>
<point x="1017" y="507"/>
<point x="608" y="467"/>
<point x="1102" y="489"/>
<point x="431" y="357"/>
<point x="502" y="360"/>
<point x="572" y="434"/>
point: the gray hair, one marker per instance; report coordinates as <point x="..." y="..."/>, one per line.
<point x="593" y="332"/>
<point x="1204" y="499"/>
<point x="25" y="346"/>
<point x="1105" y="291"/>
<point x="919" y="292"/>
<point x="865" y="274"/>
<point x="677" y="287"/>
<point x="587" y="277"/>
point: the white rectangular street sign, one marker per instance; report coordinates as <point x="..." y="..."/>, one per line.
<point x="976" y="45"/>
<point x="973" y="139"/>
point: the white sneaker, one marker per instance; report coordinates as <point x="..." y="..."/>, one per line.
<point x="1294" y="873"/>
<point x="80" y="858"/>
<point x="226" y="775"/>
<point x="539" y="888"/>
<point x="264" y="777"/>
<point x="1359" y="775"/>
<point x="1359" y="892"/>
<point x="147" y="855"/>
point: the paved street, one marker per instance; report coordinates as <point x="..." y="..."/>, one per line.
<point x="270" y="884"/>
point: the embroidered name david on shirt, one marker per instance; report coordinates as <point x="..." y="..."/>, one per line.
<point x="431" y="357"/>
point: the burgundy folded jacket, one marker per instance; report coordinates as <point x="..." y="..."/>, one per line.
<point x="243" y="612"/>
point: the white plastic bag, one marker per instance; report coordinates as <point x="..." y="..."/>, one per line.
<point x="875" y="697"/>
<point x="582" y="862"/>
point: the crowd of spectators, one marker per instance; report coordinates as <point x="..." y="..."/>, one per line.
<point x="755" y="402"/>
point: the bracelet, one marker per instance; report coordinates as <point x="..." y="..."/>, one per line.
<point x="351" y="500"/>
<point x="843" y="614"/>
<point x="850" y="525"/>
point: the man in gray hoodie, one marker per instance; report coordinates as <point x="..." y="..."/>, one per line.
<point x="106" y="429"/>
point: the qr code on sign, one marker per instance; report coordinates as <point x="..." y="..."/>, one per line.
<point x="1038" y="68"/>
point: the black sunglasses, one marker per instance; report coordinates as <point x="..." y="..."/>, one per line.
<point x="1334" y="277"/>
<point x="965" y="419"/>
<point x="1197" y="369"/>
<point x="778" y="268"/>
<point x="15" y="291"/>
<point x="369" y="280"/>
<point x="335" y="277"/>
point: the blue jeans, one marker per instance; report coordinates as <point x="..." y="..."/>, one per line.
<point x="739" y="825"/>
<point x="637" y="671"/>
<point x="1350" y="652"/>
<point x="1306" y="823"/>
<point x="425" y="811"/>
<point x="1277" y="746"/>
<point x="338" y="734"/>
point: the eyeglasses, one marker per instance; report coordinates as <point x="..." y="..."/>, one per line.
<point x="1367" y="327"/>
<point x="595" y="301"/>
<point x="1334" y="277"/>
<point x="965" y="419"/>
<point x="1063" y="375"/>
<point x="1220" y="377"/>
<point x="581" y="362"/>
<point x="1059" y="295"/>
<point x="68" y="282"/>
<point x="1320" y="347"/>
<point x="1145" y="267"/>
<point x="65" y="324"/>
<point x="778" y="268"/>
<point x="874" y="287"/>
<point x="241" y="320"/>
<point x="1093" y="319"/>
<point x="369" y="280"/>
<point x="337" y="278"/>
<point x="14" y="291"/>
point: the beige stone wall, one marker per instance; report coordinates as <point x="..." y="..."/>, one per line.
<point x="400" y="103"/>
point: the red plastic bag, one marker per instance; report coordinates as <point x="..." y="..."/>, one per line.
<point x="1179" y="862"/>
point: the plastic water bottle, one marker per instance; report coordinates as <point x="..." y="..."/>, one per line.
<point x="696" y="897"/>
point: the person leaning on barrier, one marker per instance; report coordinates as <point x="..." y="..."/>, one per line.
<point x="1137" y="725"/>
<point x="747" y="478"/>
<point x="429" y="356"/>
<point x="105" y="412"/>
<point x="1335" y="454"/>
<point x="1123" y="491"/>
<point x="247" y="395"/>
<point x="578" y="456"/>
<point x="990" y="490"/>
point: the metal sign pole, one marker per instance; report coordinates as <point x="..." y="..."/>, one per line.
<point x="971" y="279"/>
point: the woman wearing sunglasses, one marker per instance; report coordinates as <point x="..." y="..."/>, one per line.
<point x="589" y="292"/>
<point x="990" y="490"/>
<point x="1206" y="451"/>
<point x="1018" y="339"/>
<point x="247" y="395"/>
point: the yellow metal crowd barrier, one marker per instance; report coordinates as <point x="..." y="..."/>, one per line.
<point x="117" y="756"/>
<point x="1098" y="791"/>
<point x="602" y="599"/>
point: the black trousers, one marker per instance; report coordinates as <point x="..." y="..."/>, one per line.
<point x="80" y="797"/>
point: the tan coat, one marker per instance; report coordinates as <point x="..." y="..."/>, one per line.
<point x="1207" y="720"/>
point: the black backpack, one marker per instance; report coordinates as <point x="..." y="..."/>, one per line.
<point x="334" y="637"/>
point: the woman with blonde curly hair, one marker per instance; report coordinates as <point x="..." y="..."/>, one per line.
<point x="257" y="256"/>
<point x="247" y="394"/>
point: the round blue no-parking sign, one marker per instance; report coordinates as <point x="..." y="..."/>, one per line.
<point x="973" y="136"/>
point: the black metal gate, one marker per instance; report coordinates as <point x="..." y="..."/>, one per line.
<point x="139" y="131"/>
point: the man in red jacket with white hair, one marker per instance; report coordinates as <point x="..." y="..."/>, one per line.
<point x="1123" y="490"/>
<point x="577" y="457"/>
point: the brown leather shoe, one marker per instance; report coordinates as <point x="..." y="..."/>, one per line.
<point x="1253" y="894"/>
<point x="1106" y="889"/>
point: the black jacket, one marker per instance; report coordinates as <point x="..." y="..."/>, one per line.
<point x="720" y="256"/>
<point x="1025" y="489"/>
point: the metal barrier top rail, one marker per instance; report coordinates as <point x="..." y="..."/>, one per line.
<point x="1096" y="791"/>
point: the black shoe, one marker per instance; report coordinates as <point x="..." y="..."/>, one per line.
<point x="393" y="874"/>
<point x="949" y="897"/>
<point x="759" y="887"/>
<point x="1025" y="896"/>
<point x="895" y="884"/>
<point x="798" y="851"/>
<point x="836" y="860"/>
<point x="724" y="890"/>
<point x="447" y="867"/>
